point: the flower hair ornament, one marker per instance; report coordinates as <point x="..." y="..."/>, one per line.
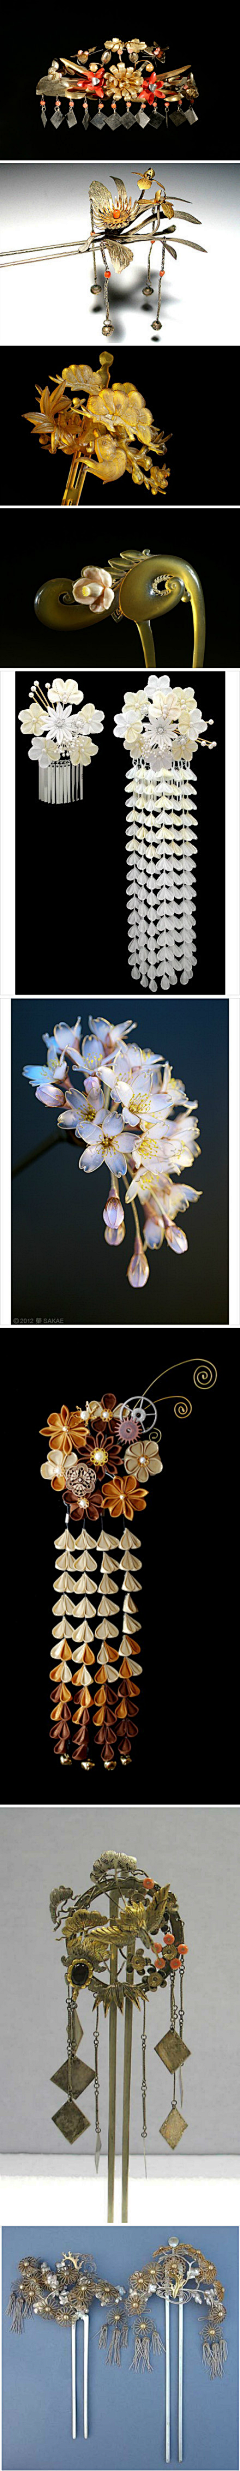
<point x="131" y="1116"/>
<point x="100" y="1459"/>
<point x="122" y="73"/>
<point x="178" y="2273"/>
<point x="135" y="586"/>
<point x="161" y="729"/>
<point x="112" y="221"/>
<point x="64" y="2293"/>
<point x="62" y="738"/>
<point x="104" y="430"/>
<point x="122" y="1960"/>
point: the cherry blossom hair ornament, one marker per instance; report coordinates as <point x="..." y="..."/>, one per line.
<point x="62" y="738"/>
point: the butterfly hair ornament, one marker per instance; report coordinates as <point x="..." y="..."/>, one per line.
<point x="125" y="73"/>
<point x="101" y="1458"/>
<point x="112" y="222"/>
<point x="119" y="1958"/>
<point x="135" y="586"/>
<point x="161" y="729"/>
<point x="105" y="430"/>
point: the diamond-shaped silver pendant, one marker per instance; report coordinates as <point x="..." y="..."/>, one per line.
<point x="99" y="120"/>
<point x="143" y="118"/>
<point x="115" y="121"/>
<point x="191" y="115"/>
<point x="127" y="120"/>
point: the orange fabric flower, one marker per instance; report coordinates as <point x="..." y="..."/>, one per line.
<point x="122" y="1497"/>
<point x="58" y="1431"/>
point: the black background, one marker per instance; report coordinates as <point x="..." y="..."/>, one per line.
<point x="36" y="547"/>
<point x="61" y="1267"/>
<point x="42" y="37"/>
<point x="97" y="859"/>
<point x="200" y="471"/>
<point x="187" y="1550"/>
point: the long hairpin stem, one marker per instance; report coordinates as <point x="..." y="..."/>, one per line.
<point x="74" y="2382"/>
<point x="167" y="2374"/>
<point x="180" y="2380"/>
<point x="85" y="2374"/>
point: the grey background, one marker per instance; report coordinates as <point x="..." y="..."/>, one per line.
<point x="197" y="1850"/>
<point x="49" y="203"/>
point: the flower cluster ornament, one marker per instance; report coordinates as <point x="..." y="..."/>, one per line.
<point x="63" y="2293"/>
<point x="161" y="728"/>
<point x="95" y="1673"/>
<point x="131" y="1117"/>
<point x="125" y="73"/>
<point x="62" y="738"/>
<point x="121" y="1961"/>
<point x="177" y="2273"/>
<point x="105" y="430"/>
<point x="101" y="1458"/>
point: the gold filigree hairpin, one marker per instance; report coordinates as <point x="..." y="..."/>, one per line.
<point x="105" y="430"/>
<point x="122" y="72"/>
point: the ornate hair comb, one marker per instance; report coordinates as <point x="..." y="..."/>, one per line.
<point x="122" y="73"/>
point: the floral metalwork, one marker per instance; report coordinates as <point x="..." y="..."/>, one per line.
<point x="121" y="1961"/>
<point x="121" y="72"/>
<point x="114" y="221"/>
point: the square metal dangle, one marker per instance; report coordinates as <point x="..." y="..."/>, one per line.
<point x="70" y="2121"/>
<point x="173" y="2127"/>
<point x="80" y="2075"/>
<point x="172" y="2050"/>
